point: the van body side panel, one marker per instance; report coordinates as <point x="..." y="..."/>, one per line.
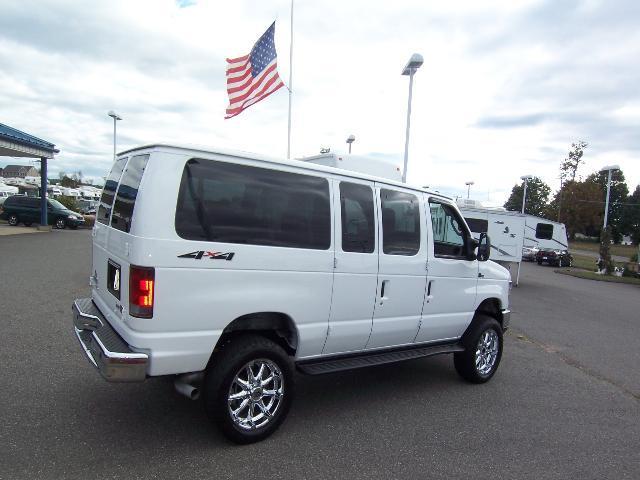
<point x="199" y="290"/>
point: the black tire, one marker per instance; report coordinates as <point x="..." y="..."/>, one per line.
<point x="13" y="220"/>
<point x="233" y="360"/>
<point x="539" y="262"/>
<point x="465" y="362"/>
<point x="60" y="224"/>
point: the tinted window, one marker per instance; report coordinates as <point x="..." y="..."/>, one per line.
<point x="127" y="193"/>
<point x="400" y="223"/>
<point x="225" y="202"/>
<point x="544" y="231"/>
<point x="477" y="225"/>
<point x="109" y="191"/>
<point x="32" y="202"/>
<point x="358" y="224"/>
<point x="448" y="230"/>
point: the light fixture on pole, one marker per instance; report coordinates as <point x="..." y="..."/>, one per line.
<point x="350" y="140"/>
<point x="412" y="66"/>
<point x="525" y="178"/>
<point x="468" y="184"/>
<point x="609" y="169"/>
<point x="115" y="117"/>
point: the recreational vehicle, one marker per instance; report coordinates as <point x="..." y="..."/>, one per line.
<point x="545" y="234"/>
<point x="505" y="229"/>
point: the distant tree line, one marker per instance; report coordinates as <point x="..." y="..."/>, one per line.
<point x="579" y="203"/>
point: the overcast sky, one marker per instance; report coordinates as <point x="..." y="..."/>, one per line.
<point x="506" y="86"/>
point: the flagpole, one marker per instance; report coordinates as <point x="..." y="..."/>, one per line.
<point x="290" y="86"/>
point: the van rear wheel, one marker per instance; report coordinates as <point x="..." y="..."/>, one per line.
<point x="483" y="351"/>
<point x="248" y="388"/>
<point x="13" y="220"/>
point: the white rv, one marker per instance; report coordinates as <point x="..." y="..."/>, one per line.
<point x="357" y="163"/>
<point x="545" y="234"/>
<point x="505" y="229"/>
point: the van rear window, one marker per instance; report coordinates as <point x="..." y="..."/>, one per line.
<point x="128" y="192"/>
<point x="226" y="202"/>
<point x="109" y="191"/>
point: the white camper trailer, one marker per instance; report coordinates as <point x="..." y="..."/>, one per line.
<point x="505" y="229"/>
<point x="356" y="163"/>
<point x="545" y="234"/>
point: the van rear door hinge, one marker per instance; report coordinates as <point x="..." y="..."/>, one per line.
<point x="426" y="265"/>
<point x="335" y="262"/>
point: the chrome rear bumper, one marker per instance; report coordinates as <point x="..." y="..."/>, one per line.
<point x="105" y="349"/>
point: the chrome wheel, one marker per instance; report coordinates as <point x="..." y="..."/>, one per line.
<point x="60" y="224"/>
<point x="487" y="351"/>
<point x="255" y="394"/>
<point x="13" y="220"/>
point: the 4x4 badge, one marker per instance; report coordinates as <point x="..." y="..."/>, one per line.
<point x="199" y="254"/>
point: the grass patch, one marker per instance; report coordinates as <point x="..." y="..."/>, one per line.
<point x="585" y="262"/>
<point x="621" y="250"/>
<point x="600" y="278"/>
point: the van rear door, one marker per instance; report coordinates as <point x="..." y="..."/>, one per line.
<point x="112" y="239"/>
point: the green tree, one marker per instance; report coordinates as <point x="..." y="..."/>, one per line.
<point x="617" y="197"/>
<point x="69" y="182"/>
<point x="537" y="197"/>
<point x="569" y="166"/>
<point x="582" y="208"/>
<point x="631" y="216"/>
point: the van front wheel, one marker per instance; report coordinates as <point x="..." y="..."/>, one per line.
<point x="483" y="351"/>
<point x="60" y="223"/>
<point x="248" y="388"/>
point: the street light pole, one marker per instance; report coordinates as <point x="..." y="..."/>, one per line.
<point x="350" y="140"/>
<point x="609" y="169"/>
<point x="468" y="184"/>
<point x="524" y="193"/>
<point x="410" y="69"/>
<point x="115" y="117"/>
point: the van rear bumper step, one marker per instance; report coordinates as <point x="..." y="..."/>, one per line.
<point x="361" y="360"/>
<point x="105" y="349"/>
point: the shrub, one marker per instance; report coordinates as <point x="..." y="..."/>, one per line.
<point x="69" y="202"/>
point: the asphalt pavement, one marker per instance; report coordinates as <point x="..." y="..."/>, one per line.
<point x="564" y="404"/>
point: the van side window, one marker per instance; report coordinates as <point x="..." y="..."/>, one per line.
<point x="358" y="224"/>
<point x="400" y="223"/>
<point x="109" y="191"/>
<point x="449" y="231"/>
<point x="128" y="192"/>
<point x="231" y="203"/>
<point x="477" y="225"/>
<point x="544" y="231"/>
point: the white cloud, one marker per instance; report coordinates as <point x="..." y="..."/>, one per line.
<point x="505" y="88"/>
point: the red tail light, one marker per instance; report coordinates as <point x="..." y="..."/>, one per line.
<point x="141" y="291"/>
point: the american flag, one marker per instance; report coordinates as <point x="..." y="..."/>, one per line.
<point x="253" y="77"/>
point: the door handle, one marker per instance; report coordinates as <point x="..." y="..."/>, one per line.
<point x="429" y="296"/>
<point x="382" y="291"/>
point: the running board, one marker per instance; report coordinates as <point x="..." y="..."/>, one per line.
<point x="369" y="359"/>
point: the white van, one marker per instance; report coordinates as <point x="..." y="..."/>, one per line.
<point x="228" y="270"/>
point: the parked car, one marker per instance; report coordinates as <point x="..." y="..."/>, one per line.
<point x="228" y="271"/>
<point x="529" y="253"/>
<point x="558" y="258"/>
<point x="20" y="209"/>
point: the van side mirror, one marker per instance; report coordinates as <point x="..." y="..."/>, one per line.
<point x="484" y="248"/>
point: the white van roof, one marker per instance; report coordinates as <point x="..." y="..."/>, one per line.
<point x="279" y="161"/>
